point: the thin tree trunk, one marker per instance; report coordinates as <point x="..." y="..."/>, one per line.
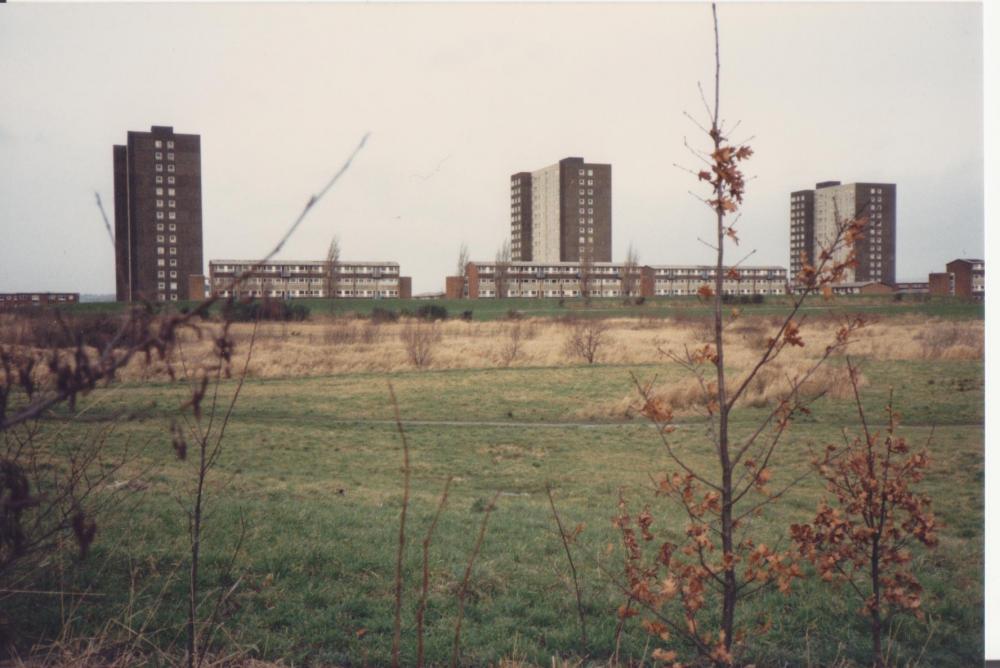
<point x="729" y="589"/>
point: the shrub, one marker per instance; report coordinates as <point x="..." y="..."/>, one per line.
<point x="268" y="309"/>
<point x="380" y="315"/>
<point x="467" y="316"/>
<point x="586" y="338"/>
<point x="432" y="312"/>
<point x="420" y="341"/>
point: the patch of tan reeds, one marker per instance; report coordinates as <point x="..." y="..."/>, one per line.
<point x="327" y="346"/>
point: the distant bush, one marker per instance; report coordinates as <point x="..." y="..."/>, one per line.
<point x="432" y="312"/>
<point x="467" y="316"/>
<point x="380" y="315"/>
<point x="269" y="309"/>
<point x="514" y="314"/>
<point x="742" y="299"/>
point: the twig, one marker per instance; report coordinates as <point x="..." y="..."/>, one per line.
<point x="465" y="580"/>
<point x="422" y="606"/>
<point x="398" y="619"/>
<point x="572" y="566"/>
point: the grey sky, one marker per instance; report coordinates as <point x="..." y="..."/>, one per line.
<point x="457" y="98"/>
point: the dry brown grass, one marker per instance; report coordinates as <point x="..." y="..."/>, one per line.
<point x="334" y="346"/>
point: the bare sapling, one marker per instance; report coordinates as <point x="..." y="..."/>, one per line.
<point x="586" y="338"/>
<point x="419" y="341"/>
<point x="862" y="537"/>
<point x="688" y="585"/>
<point x="512" y="347"/>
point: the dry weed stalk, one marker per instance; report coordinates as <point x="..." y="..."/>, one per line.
<point x="425" y="583"/>
<point x="401" y="547"/>
<point x="566" y="539"/>
<point x="719" y="557"/>
<point x="464" y="589"/>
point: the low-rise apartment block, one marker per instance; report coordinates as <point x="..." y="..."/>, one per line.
<point x="298" y="279"/>
<point x="964" y="277"/>
<point x="609" y="279"/>
<point x="16" y="300"/>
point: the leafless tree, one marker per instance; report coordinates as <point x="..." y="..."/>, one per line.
<point x="463" y="259"/>
<point x="501" y="269"/>
<point x="420" y="341"/>
<point x="586" y="338"/>
<point x="630" y="273"/>
<point x="512" y="347"/>
<point x="332" y="265"/>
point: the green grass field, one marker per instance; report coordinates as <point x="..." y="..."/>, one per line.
<point x="314" y="467"/>
<point x="658" y="307"/>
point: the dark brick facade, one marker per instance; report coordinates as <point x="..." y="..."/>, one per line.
<point x="877" y="203"/>
<point x="585" y="203"/>
<point x="802" y="232"/>
<point x="158" y="219"/>
<point x="520" y="216"/>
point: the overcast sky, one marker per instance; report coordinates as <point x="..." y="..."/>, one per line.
<point x="457" y="98"/>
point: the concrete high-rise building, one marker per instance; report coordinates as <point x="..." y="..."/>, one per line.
<point x="158" y="237"/>
<point x="561" y="213"/>
<point x="815" y="215"/>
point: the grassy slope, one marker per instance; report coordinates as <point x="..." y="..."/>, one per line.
<point x="318" y="478"/>
<point x="491" y="309"/>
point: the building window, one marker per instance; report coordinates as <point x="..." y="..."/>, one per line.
<point x="581" y="172"/>
<point x="172" y="203"/>
<point x="158" y="144"/>
<point x="159" y="227"/>
<point x="159" y="167"/>
<point x="170" y="191"/>
<point x="159" y="179"/>
<point x="172" y="227"/>
<point x="173" y="251"/>
<point x="172" y="215"/>
<point x="170" y="179"/>
<point x="170" y="168"/>
<point x="159" y="263"/>
<point x="161" y="285"/>
<point x="159" y="250"/>
<point x="170" y="156"/>
<point x="173" y="274"/>
<point x="173" y="239"/>
<point x="159" y="274"/>
<point x="159" y="191"/>
<point x="173" y="262"/>
<point x="173" y="285"/>
<point x="159" y="202"/>
<point x="159" y="238"/>
<point x="158" y="156"/>
<point x="159" y="215"/>
<point x="170" y="144"/>
<point x="173" y="297"/>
